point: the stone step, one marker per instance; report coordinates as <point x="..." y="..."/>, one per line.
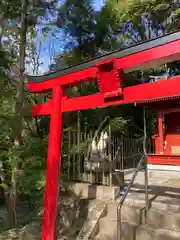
<point x="165" y="215"/>
<point x="132" y="231"/>
<point x="158" y="202"/>
<point x="154" y="217"/>
<point x="163" y="219"/>
<point x="145" y="232"/>
<point x="160" y="216"/>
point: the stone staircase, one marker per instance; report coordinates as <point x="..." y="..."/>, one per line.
<point x="160" y="222"/>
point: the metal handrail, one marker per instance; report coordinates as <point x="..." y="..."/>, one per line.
<point x="119" y="207"/>
<point x="142" y="160"/>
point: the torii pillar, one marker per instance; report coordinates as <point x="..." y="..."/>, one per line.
<point x="53" y="166"/>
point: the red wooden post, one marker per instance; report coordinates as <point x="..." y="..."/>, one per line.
<point x="161" y="131"/>
<point x="53" y="166"/>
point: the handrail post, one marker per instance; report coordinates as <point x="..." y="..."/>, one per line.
<point x="142" y="160"/>
<point x="119" y="222"/>
<point x="145" y="161"/>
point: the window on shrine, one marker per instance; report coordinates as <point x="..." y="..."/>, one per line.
<point x="171" y="123"/>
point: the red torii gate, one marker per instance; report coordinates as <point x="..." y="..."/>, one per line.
<point x="108" y="70"/>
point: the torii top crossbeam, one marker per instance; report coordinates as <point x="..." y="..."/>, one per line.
<point x="108" y="71"/>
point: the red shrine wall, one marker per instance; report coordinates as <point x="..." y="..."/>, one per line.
<point x="171" y="135"/>
<point x="156" y="139"/>
<point x="167" y="145"/>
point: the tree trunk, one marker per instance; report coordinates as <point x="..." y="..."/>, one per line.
<point x="19" y="116"/>
<point x="11" y="200"/>
<point x="20" y="88"/>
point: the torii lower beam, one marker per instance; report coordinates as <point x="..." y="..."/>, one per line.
<point x="138" y="93"/>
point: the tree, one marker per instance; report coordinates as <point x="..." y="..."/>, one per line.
<point x="19" y="20"/>
<point x="90" y="33"/>
<point x="144" y="20"/>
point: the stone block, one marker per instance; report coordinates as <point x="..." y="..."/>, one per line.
<point x="91" y="191"/>
<point x="118" y="179"/>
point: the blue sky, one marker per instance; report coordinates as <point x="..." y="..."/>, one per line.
<point x="98" y="4"/>
<point x="53" y="45"/>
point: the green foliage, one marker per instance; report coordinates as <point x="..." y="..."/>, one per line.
<point x="118" y="124"/>
<point x="81" y="148"/>
<point x="147" y="18"/>
<point x="32" y="172"/>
